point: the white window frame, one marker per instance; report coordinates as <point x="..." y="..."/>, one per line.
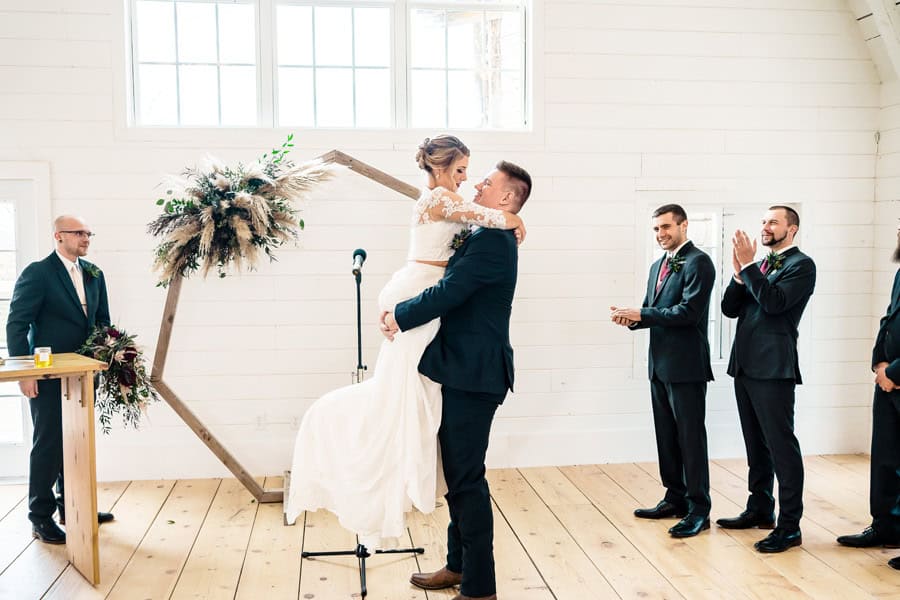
<point x="32" y="226"/>
<point x="532" y="138"/>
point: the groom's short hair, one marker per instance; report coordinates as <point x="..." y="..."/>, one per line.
<point x="519" y="180"/>
<point x="678" y="213"/>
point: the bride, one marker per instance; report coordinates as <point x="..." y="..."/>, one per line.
<point x="369" y="452"/>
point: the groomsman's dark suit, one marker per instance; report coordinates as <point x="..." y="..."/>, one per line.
<point x="45" y="311"/>
<point x="473" y="360"/>
<point x="766" y="370"/>
<point x="884" y="493"/>
<point x="679" y="369"/>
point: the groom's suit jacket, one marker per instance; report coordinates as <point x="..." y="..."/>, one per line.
<point x="887" y="343"/>
<point x="471" y="351"/>
<point x="45" y="309"/>
<point x="768" y="309"/>
<point x="677" y="316"/>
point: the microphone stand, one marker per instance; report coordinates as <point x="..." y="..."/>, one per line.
<point x="361" y="552"/>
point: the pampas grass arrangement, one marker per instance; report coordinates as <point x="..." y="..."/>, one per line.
<point x="219" y="216"/>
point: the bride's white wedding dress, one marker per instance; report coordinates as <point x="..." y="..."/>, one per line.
<point x="369" y="452"/>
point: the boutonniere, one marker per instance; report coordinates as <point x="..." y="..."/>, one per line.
<point x="460" y="238"/>
<point x="773" y="261"/>
<point x="675" y="263"/>
<point x="91" y="270"/>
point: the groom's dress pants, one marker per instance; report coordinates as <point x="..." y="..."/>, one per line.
<point x="466" y="419"/>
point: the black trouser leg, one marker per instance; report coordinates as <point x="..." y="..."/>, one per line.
<point x="772" y="402"/>
<point x="464" y="433"/>
<point x="679" y="414"/>
<point x="46" y="461"/>
<point x="884" y="490"/>
<point x="761" y="477"/>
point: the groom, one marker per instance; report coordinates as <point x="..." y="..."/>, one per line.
<point x="473" y="360"/>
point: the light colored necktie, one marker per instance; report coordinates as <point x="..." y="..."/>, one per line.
<point x="78" y="282"/>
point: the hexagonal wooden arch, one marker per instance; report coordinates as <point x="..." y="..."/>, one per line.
<point x="168" y="322"/>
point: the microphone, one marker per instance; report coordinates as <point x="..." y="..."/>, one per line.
<point x="359" y="257"/>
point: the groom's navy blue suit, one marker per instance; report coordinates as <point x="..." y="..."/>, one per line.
<point x="45" y="311"/>
<point x="677" y="314"/>
<point x="473" y="360"/>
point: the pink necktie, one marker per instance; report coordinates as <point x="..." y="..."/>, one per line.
<point x="662" y="273"/>
<point x="764" y="267"/>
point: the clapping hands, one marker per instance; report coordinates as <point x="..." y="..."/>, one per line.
<point x="625" y="317"/>
<point x="743" y="252"/>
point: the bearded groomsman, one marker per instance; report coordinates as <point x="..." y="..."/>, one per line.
<point x="884" y="484"/>
<point x="768" y="299"/>
<point x="676" y="311"/>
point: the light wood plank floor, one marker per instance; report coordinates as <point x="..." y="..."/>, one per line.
<point x="560" y="533"/>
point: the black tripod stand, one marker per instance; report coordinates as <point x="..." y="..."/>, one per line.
<point x="360" y="552"/>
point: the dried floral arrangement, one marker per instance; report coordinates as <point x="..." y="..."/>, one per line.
<point x="220" y="216"/>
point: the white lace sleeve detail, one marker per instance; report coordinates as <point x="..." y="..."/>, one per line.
<point x="453" y="208"/>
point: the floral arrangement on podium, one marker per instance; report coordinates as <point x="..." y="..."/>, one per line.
<point x="220" y="216"/>
<point x="124" y="387"/>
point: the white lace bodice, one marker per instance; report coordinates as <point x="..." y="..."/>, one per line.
<point x="440" y="215"/>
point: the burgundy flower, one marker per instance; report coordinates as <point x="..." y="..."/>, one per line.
<point x="128" y="377"/>
<point x="114" y="333"/>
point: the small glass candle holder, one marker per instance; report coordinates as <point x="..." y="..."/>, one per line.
<point x="43" y="357"/>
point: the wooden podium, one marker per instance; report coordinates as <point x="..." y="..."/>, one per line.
<point x="77" y="375"/>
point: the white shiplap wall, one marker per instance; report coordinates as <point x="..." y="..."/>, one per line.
<point x="726" y="101"/>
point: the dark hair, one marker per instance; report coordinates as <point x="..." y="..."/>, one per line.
<point x="790" y="214"/>
<point x="677" y="212"/>
<point x="440" y="152"/>
<point x="519" y="180"/>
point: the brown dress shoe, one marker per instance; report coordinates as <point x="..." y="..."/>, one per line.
<point x="437" y="580"/>
<point x="461" y="597"/>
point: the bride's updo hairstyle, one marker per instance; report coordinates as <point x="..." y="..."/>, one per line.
<point x="440" y="152"/>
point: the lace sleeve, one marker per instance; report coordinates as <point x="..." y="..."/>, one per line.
<point x="444" y="205"/>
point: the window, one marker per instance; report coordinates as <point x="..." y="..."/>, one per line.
<point x="11" y="415"/>
<point x="329" y="63"/>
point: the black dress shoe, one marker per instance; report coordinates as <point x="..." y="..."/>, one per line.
<point x="869" y="538"/>
<point x="102" y="517"/>
<point x="48" y="531"/>
<point x="779" y="540"/>
<point x="894" y="563"/>
<point x="747" y="520"/>
<point x="689" y="526"/>
<point x="663" y="510"/>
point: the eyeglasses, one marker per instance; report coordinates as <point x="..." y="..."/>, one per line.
<point x="80" y="233"/>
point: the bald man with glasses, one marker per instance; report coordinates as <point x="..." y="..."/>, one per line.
<point x="56" y="302"/>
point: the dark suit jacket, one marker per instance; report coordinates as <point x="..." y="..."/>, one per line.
<point x="471" y="351"/>
<point x="45" y="310"/>
<point x="887" y="343"/>
<point x="768" y="309"/>
<point x="678" y="318"/>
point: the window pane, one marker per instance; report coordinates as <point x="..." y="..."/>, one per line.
<point x="196" y="32"/>
<point x="428" y="47"/>
<point x="237" y="33"/>
<point x="238" y="95"/>
<point x="505" y="32"/>
<point x="373" y="98"/>
<point x="11" y="420"/>
<point x="155" y="31"/>
<point x="428" y="103"/>
<point x="373" y="37"/>
<point x="465" y="100"/>
<point x="465" y="42"/>
<point x="4" y="313"/>
<point x="334" y="36"/>
<point x="295" y="97"/>
<point x="334" y="98"/>
<point x="509" y="109"/>
<point x="294" y="42"/>
<point x="199" y="95"/>
<point x="7" y="277"/>
<point x="7" y="225"/>
<point x="158" y="97"/>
